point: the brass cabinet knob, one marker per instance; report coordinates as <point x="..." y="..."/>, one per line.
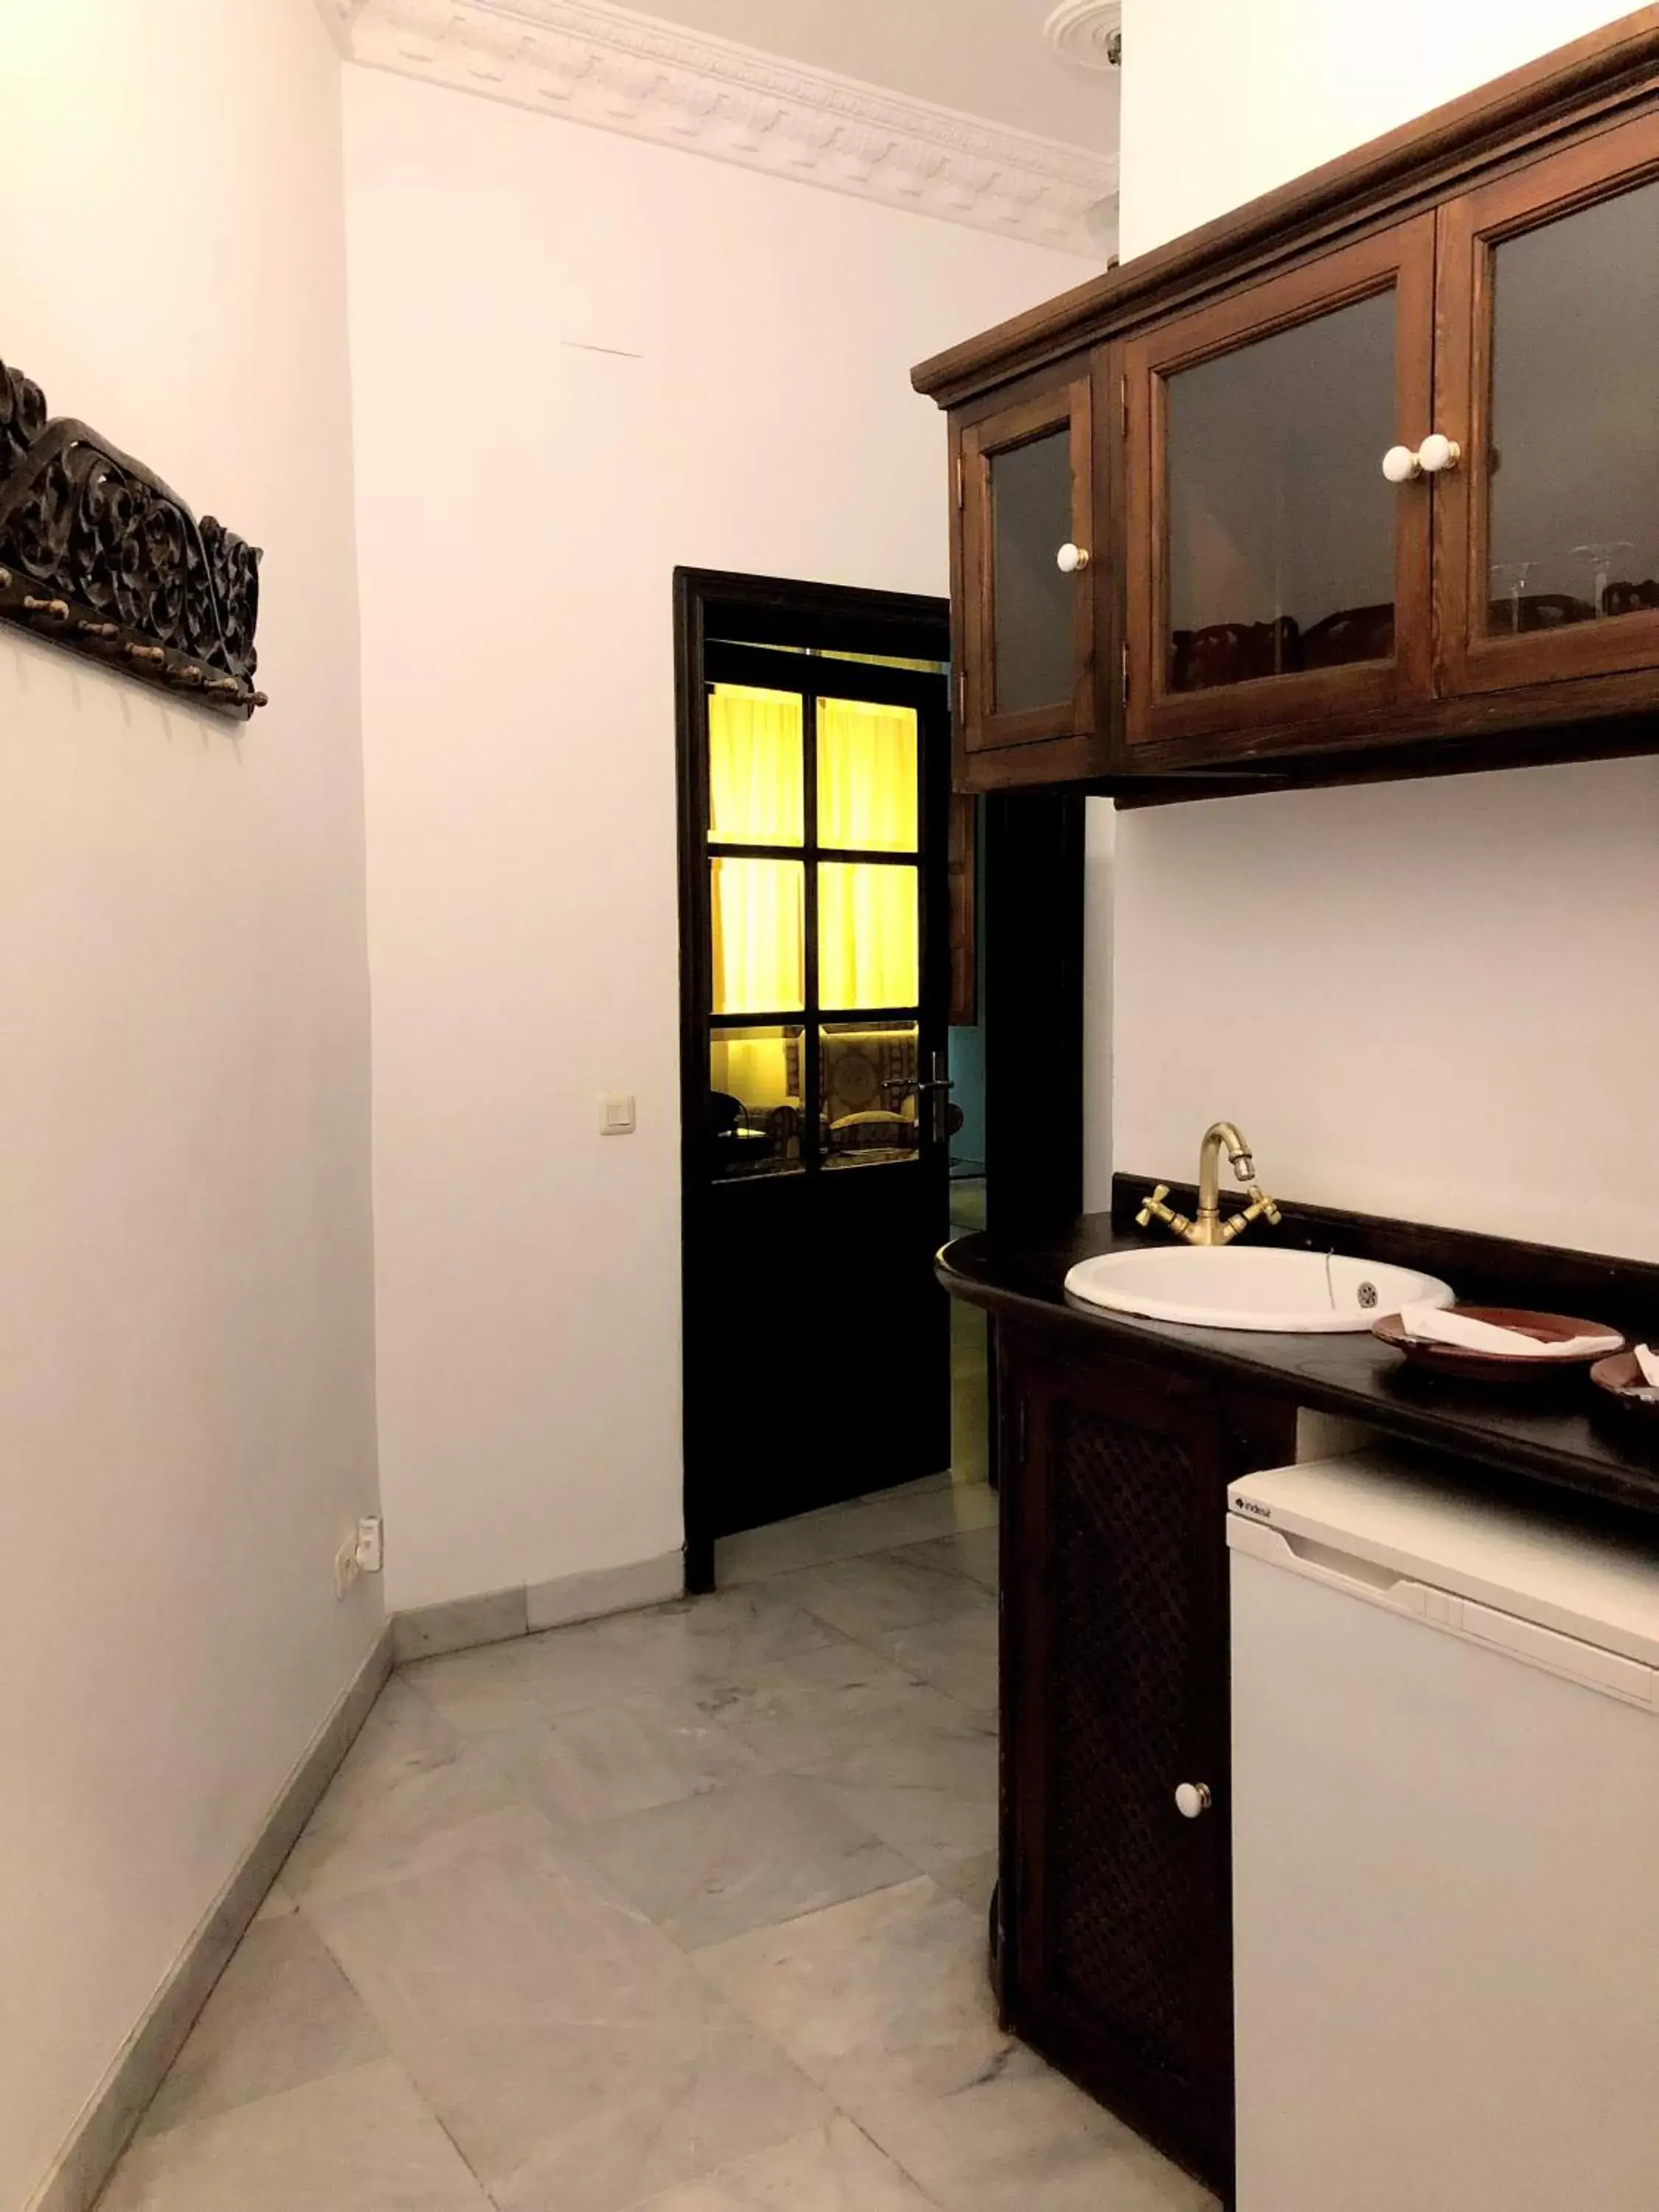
<point x="1072" y="558"/>
<point x="1192" y="1798"/>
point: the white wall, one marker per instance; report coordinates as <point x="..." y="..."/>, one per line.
<point x="186" y="1414"/>
<point x="1433" y="1000"/>
<point x="522" y="504"/>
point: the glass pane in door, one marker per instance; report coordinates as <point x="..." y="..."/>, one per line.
<point x="1574" y="466"/>
<point x="868" y="1071"/>
<point x="1281" y="525"/>
<point x="755" y="774"/>
<point x="756" y="911"/>
<point x="756" y="1088"/>
<point x="1032" y="604"/>
<point x="867" y="767"/>
<point x="869" y="934"/>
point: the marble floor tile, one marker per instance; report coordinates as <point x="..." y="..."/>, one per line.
<point x="515" y="1686"/>
<point x="958" y="1655"/>
<point x="1025" y="2139"/>
<point x="884" y="2000"/>
<point x="972" y="1880"/>
<point x="359" y="2141"/>
<point x="916" y="1489"/>
<point x="973" y="1552"/>
<point x="863" y="1598"/>
<point x="882" y="1522"/>
<point x="407" y="1783"/>
<point x="930" y="1790"/>
<point x="512" y="1936"/>
<point x="701" y="1645"/>
<point x="805" y="1710"/>
<point x="606" y="1761"/>
<point x="576" y="2056"/>
<point x="685" y="1649"/>
<point x="834" y="2169"/>
<point x="280" y="2014"/>
<point x="745" y="1857"/>
<point x="595" y="2117"/>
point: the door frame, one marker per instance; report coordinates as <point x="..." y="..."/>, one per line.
<point x="1033" y="961"/>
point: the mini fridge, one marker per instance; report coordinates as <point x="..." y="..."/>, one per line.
<point x="1445" y="1808"/>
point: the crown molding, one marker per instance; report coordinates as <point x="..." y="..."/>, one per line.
<point x="592" y="61"/>
<point x="337" y="18"/>
<point x="1086" y="34"/>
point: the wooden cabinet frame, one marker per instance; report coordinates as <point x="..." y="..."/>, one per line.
<point x="1471" y="228"/>
<point x="1066" y="406"/>
<point x="1401" y="259"/>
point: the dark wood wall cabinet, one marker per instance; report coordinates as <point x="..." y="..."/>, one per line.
<point x="1360" y="482"/>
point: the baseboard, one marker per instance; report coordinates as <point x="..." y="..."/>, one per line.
<point x="114" y="2109"/>
<point x="497" y="1616"/>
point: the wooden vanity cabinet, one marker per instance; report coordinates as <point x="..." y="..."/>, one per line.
<point x="1116" y="1920"/>
<point x="1473" y="299"/>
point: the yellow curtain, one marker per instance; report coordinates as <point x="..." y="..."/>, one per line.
<point x="756" y="910"/>
<point x="866" y="776"/>
<point x="869" y="951"/>
<point x="755" y="777"/>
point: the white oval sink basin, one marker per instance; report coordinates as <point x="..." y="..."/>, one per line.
<point x="1252" y="1286"/>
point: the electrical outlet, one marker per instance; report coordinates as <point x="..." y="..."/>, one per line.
<point x="371" y="1544"/>
<point x="346" y="1569"/>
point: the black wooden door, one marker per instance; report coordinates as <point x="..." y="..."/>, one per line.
<point x="1116" y="1913"/>
<point x="816" y="985"/>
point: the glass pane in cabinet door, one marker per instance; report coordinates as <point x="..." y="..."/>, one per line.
<point x="1032" y="604"/>
<point x="1281" y="524"/>
<point x="1574" y="465"/>
<point x="755" y="1087"/>
<point x="869" y="1076"/>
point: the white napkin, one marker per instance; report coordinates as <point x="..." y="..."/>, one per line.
<point x="1432" y="1325"/>
<point x="1648" y="1360"/>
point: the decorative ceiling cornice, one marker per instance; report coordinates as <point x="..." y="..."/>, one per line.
<point x="594" y="62"/>
<point x="1086" y="34"/>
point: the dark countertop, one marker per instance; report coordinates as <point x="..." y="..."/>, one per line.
<point x="1552" y="1432"/>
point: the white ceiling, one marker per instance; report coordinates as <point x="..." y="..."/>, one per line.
<point x="985" y="57"/>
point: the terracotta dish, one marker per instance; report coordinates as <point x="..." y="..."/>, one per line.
<point x="1622" y="1378"/>
<point x="1497" y="1366"/>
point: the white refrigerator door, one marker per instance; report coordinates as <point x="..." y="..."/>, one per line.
<point x="1446" y="1919"/>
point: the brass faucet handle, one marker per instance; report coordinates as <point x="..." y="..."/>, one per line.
<point x="1261" y="1208"/>
<point x="1154" y="1209"/>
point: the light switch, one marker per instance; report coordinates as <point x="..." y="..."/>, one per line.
<point x="617" y="1113"/>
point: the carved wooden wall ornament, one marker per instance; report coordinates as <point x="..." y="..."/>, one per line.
<point x="98" y="555"/>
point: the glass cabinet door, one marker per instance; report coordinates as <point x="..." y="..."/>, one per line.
<point x="1277" y="573"/>
<point x="1028" y="553"/>
<point x="1549" y="282"/>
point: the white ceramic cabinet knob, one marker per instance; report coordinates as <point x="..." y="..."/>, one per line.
<point x="1437" y="454"/>
<point x="1192" y="1798"/>
<point x="1069" y="558"/>
<point x="1401" y="464"/>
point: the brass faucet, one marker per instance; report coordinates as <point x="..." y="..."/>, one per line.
<point x="1209" y="1228"/>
